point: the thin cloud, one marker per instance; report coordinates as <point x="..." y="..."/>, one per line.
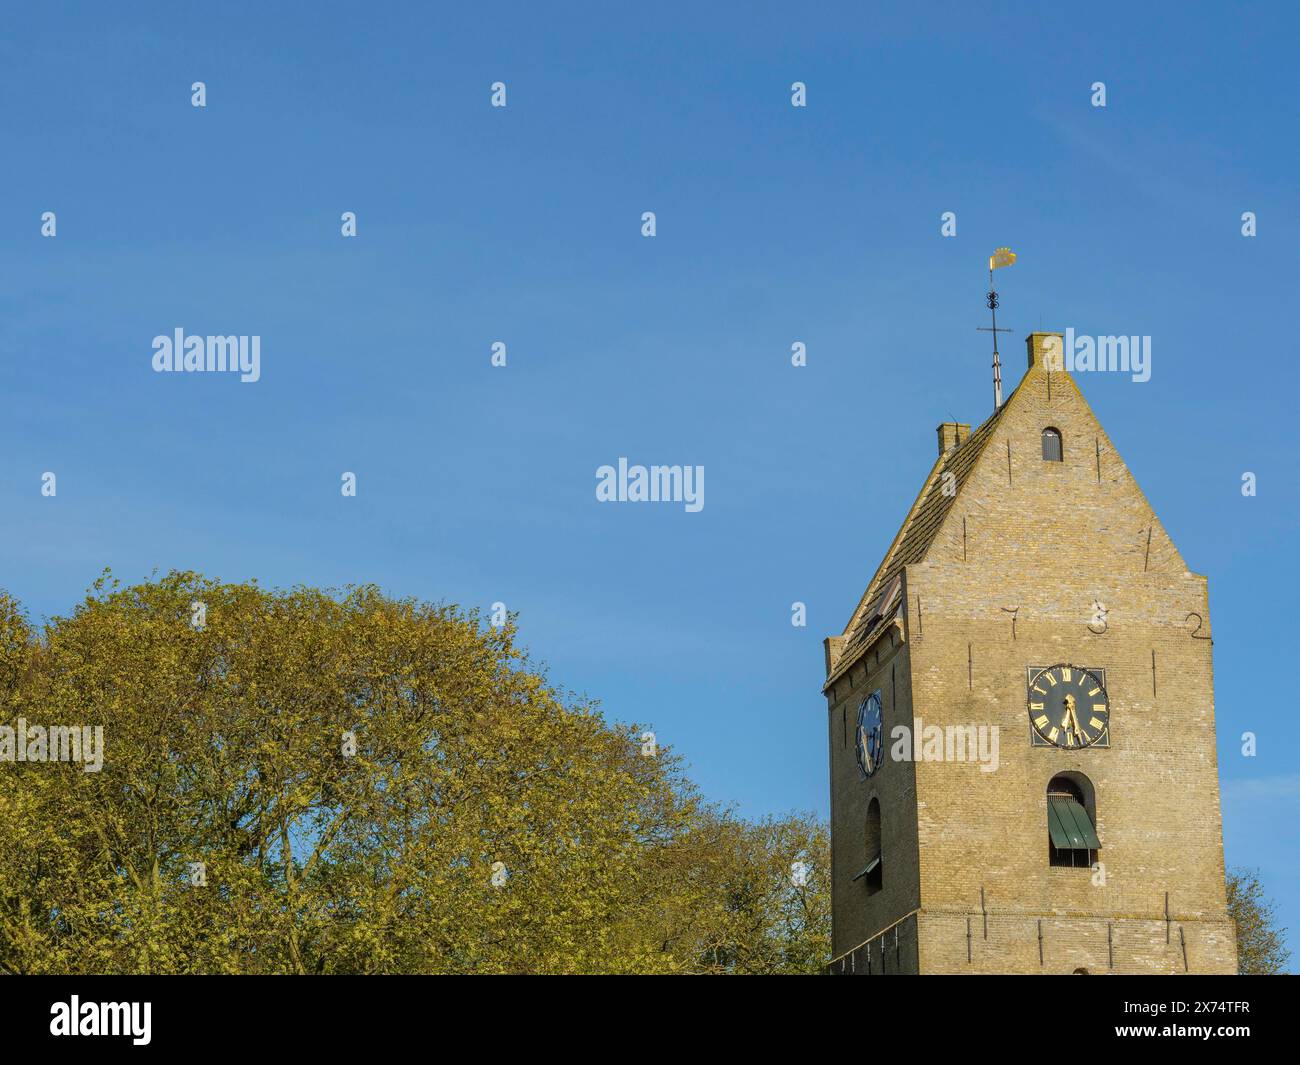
<point x="1279" y="787"/>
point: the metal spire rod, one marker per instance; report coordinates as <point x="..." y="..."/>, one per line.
<point x="997" y="366"/>
<point x="997" y="362"/>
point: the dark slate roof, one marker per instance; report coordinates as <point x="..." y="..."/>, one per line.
<point x="919" y="529"/>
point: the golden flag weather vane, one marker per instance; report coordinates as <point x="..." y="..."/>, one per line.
<point x="1001" y="257"/>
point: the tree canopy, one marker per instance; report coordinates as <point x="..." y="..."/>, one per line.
<point x="1261" y="948"/>
<point x="307" y="782"/>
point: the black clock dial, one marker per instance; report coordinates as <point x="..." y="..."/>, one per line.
<point x="1068" y="706"/>
<point x="870" y="740"/>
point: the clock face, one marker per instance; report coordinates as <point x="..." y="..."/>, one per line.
<point x="1068" y="707"/>
<point x="870" y="735"/>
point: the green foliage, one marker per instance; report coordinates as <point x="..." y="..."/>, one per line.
<point x="225" y="762"/>
<point x="754" y="912"/>
<point x="1261" y="948"/>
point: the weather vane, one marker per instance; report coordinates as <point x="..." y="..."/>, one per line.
<point x="1001" y="257"/>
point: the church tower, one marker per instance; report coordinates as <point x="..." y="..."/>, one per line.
<point x="1021" y="718"/>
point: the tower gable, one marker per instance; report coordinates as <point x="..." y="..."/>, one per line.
<point x="1086" y="508"/>
<point x="1005" y="452"/>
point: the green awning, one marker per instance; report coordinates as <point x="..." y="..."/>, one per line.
<point x="1060" y="837"/>
<point x="870" y="866"/>
<point x="1069" y="825"/>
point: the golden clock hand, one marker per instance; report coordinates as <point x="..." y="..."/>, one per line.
<point x="1065" y="718"/>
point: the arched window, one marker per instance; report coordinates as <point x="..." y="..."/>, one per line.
<point x="1052" y="445"/>
<point x="1071" y="819"/>
<point x="873" y="871"/>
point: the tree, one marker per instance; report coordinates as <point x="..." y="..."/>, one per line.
<point x="304" y="782"/>
<point x="764" y="904"/>
<point x="1261" y="948"/>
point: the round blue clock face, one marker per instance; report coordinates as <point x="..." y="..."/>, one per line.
<point x="871" y="735"/>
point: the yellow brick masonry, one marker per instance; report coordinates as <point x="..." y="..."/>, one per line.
<point x="1038" y="542"/>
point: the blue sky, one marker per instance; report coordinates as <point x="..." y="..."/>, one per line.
<point x="522" y="224"/>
